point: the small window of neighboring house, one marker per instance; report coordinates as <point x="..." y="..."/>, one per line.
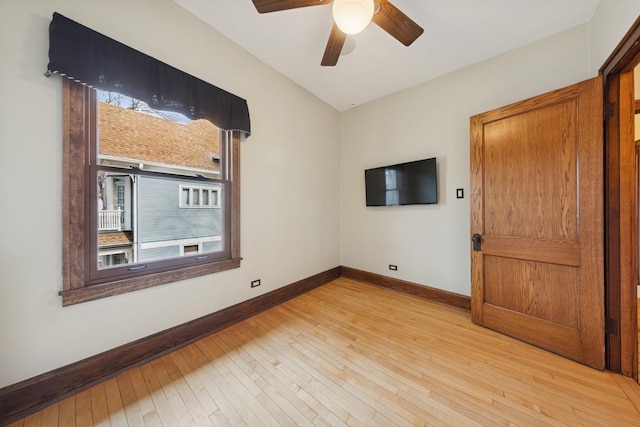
<point x="199" y="197"/>
<point x="190" y="249"/>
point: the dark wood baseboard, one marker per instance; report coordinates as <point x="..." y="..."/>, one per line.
<point x="23" y="398"/>
<point x="26" y="397"/>
<point x="438" y="295"/>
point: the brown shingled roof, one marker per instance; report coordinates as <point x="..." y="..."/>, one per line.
<point x="114" y="238"/>
<point x="134" y="135"/>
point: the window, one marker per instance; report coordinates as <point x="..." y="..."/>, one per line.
<point x="151" y="186"/>
<point x="199" y="197"/>
<point x="106" y="260"/>
<point x="150" y="218"/>
<point x="167" y="153"/>
<point x="190" y="248"/>
<point x="120" y="199"/>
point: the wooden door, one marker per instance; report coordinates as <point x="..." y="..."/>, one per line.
<point x="537" y="206"/>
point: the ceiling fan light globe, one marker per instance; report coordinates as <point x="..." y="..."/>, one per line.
<point x="352" y="16"/>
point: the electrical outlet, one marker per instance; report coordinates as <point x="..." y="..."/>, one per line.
<point x="393" y="267"/>
<point x="255" y="283"/>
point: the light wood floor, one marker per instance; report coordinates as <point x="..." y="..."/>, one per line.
<point x="354" y="354"/>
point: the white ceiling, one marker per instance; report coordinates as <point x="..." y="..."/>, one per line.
<point x="457" y="33"/>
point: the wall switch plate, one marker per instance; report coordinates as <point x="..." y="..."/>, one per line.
<point x="255" y="283"/>
<point x="393" y="267"/>
<point x="460" y="193"/>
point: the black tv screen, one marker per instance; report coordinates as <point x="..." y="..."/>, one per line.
<point x="411" y="183"/>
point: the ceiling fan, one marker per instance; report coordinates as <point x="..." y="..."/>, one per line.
<point x="351" y="17"/>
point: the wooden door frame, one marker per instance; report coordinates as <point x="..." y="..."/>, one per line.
<point x="621" y="214"/>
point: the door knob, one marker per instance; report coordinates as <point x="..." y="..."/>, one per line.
<point x="477" y="242"/>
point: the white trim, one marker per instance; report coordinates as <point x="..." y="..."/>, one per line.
<point x="154" y="166"/>
<point x="165" y="243"/>
<point x="114" y="251"/>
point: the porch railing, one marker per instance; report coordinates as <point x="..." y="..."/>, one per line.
<point x="110" y="220"/>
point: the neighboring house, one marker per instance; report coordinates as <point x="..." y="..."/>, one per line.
<point x="143" y="217"/>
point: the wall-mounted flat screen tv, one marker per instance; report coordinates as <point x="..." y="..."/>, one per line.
<point x="411" y="183"/>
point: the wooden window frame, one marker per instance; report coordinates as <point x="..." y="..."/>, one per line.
<point x="79" y="128"/>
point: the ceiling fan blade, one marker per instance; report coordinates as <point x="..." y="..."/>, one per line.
<point x="334" y="47"/>
<point x="396" y="23"/>
<point x="265" y="6"/>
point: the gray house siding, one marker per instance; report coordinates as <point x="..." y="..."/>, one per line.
<point x="161" y="219"/>
<point x="212" y="246"/>
<point x="159" y="253"/>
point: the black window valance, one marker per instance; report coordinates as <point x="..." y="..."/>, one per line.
<point x="91" y="58"/>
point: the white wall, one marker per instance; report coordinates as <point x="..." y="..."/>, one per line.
<point x="290" y="173"/>
<point x="430" y="245"/>
<point x="610" y="23"/>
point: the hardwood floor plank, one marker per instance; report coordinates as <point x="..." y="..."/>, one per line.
<point x="412" y="390"/>
<point x="165" y="412"/>
<point x="117" y="416"/>
<point x="271" y="380"/>
<point x="370" y="377"/>
<point x="284" y="412"/>
<point x="630" y="389"/>
<point x="143" y="397"/>
<point x="309" y="378"/>
<point x="208" y="376"/>
<point x="67" y="412"/>
<point x="372" y="387"/>
<point x="189" y="367"/>
<point x="398" y="368"/>
<point x="352" y="354"/>
<point x="236" y="401"/>
<point x="99" y="407"/>
<point x="440" y="344"/>
<point x="227" y="357"/>
<point x="239" y="390"/>
<point x="33" y="420"/>
<point x="199" y="413"/>
<point x="318" y="402"/>
<point x="432" y="406"/>
<point x="50" y="416"/>
<point x="131" y="405"/>
<point x="169" y="376"/>
<point x="84" y="412"/>
<point x="203" y="387"/>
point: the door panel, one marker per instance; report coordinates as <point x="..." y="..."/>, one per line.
<point x="550" y="298"/>
<point x="537" y="201"/>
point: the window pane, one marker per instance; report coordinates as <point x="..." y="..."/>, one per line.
<point x="132" y="134"/>
<point x="159" y="225"/>
<point x="196" y="197"/>
<point x="185" y="197"/>
<point x="205" y="197"/>
<point x="189" y="249"/>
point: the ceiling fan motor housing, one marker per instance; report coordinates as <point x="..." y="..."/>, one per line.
<point x="352" y="16"/>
